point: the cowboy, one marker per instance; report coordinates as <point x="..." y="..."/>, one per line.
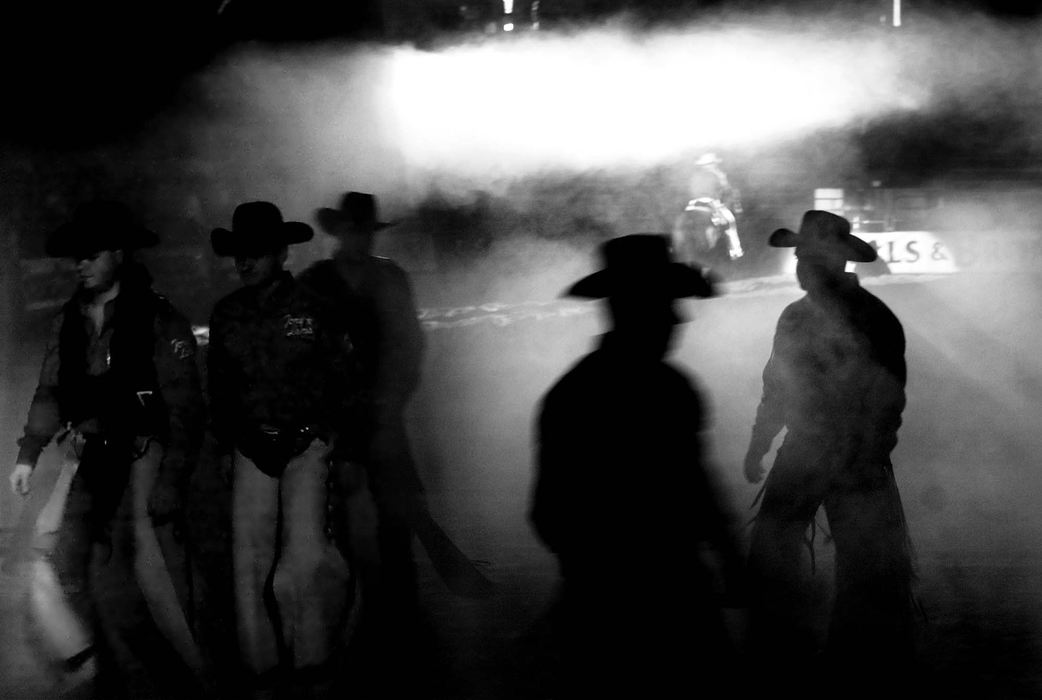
<point x="120" y="388"/>
<point x="276" y="378"/>
<point x="710" y="212"/>
<point x="380" y="495"/>
<point x="378" y="307"/>
<point x="835" y="381"/>
<point x="623" y="495"/>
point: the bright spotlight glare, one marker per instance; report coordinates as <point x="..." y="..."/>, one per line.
<point x="606" y="97"/>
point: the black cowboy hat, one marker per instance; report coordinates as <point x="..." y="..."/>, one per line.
<point x="824" y="233"/>
<point x="258" y="229"/>
<point x="358" y="208"/>
<point x="96" y="226"/>
<point x="640" y="264"/>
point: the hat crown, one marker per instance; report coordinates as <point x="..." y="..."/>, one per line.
<point x="359" y="207"/>
<point x="258" y="228"/>
<point x="104" y="214"/>
<point x="826" y="235"/>
<point x="823" y="227"/>
<point x="99" y="225"/>
<point x="638" y="254"/>
<point x="256" y="216"/>
<point x="641" y="266"/>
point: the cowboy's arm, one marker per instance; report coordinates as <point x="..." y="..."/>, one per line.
<point x="340" y="397"/>
<point x="219" y="367"/>
<point x="770" y="417"/>
<point x="178" y="378"/>
<point x="402" y="343"/>
<point x="715" y="523"/>
<point x="884" y="398"/>
<point x="44" y="419"/>
<point x="549" y="501"/>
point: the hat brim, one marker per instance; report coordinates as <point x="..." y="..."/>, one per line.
<point x="228" y="243"/>
<point x="853" y="248"/>
<point x="74" y="240"/>
<point x="328" y="219"/>
<point x="681" y="281"/>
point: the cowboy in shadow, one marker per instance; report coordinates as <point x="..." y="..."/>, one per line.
<point x="835" y="381"/>
<point x="377" y="306"/>
<point x="277" y="376"/>
<point x="119" y="390"/>
<point x="624" y="498"/>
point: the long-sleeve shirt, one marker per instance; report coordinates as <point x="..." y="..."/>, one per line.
<point x="275" y="358"/>
<point x="836" y="375"/>
<point x="622" y="475"/>
<point x="379" y="310"/>
<point x="162" y="398"/>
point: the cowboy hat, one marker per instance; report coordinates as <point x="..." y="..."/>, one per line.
<point x="96" y="226"/>
<point x="358" y="208"/>
<point x="640" y="264"/>
<point x="257" y="229"/>
<point x="824" y="233"/>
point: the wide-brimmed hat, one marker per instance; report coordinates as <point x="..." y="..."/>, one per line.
<point x="640" y="265"/>
<point x="257" y="229"/>
<point x="824" y="233"/>
<point x="357" y="208"/>
<point x="96" y="226"/>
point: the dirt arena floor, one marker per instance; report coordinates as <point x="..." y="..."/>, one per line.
<point x="967" y="466"/>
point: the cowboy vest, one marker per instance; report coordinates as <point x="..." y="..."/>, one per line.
<point x="125" y="399"/>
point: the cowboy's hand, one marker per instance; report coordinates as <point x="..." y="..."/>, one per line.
<point x="164" y="502"/>
<point x="20" y="479"/>
<point x="753" y="468"/>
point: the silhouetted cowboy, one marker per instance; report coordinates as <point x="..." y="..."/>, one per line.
<point x="623" y="496"/>
<point x="835" y="381"/>
<point x="376" y="303"/>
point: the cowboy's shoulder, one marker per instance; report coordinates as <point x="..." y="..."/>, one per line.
<point x="307" y="302"/>
<point x="874" y="303"/>
<point x="795" y="314"/>
<point x="587" y="371"/>
<point x="387" y="267"/>
<point x="318" y="274"/>
<point x="877" y="314"/>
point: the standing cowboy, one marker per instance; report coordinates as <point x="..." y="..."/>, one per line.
<point x="835" y="380"/>
<point x="119" y="383"/>
<point x="708" y="221"/>
<point x="623" y="494"/>
<point x="377" y="305"/>
<point x="375" y="302"/>
<point x="277" y="379"/>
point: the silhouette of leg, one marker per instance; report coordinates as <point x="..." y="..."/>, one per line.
<point x="255" y="518"/>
